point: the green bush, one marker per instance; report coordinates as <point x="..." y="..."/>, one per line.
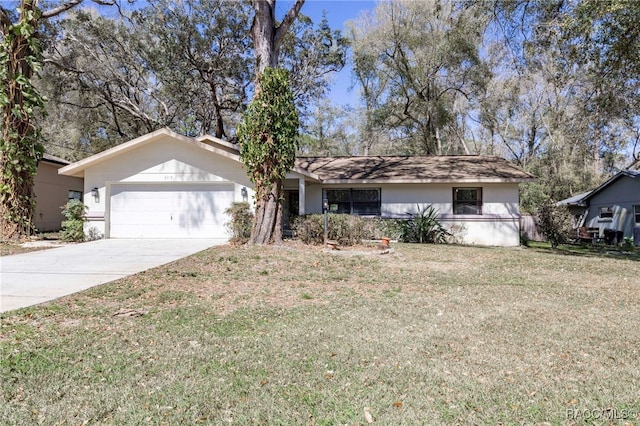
<point x="241" y="222"/>
<point x="345" y="229"/>
<point x="554" y="222"/>
<point x="627" y="244"/>
<point x="390" y="228"/>
<point x="424" y="227"/>
<point x="350" y="230"/>
<point x="73" y="226"/>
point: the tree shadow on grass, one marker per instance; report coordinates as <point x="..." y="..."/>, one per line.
<point x="584" y="250"/>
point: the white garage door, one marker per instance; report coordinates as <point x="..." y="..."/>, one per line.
<point x="169" y="210"/>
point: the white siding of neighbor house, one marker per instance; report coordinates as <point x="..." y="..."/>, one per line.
<point x="498" y="225"/>
<point x="621" y="195"/>
<point x="164" y="161"/>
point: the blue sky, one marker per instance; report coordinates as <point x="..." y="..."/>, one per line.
<point x="337" y="12"/>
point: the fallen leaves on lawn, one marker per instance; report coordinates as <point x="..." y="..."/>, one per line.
<point x="367" y="415"/>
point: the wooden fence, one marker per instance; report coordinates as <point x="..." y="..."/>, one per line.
<point x="529" y="228"/>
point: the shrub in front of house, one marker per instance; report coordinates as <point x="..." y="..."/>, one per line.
<point x="241" y="222"/>
<point x="627" y="244"/>
<point x="73" y="226"/>
<point x="345" y="229"/>
<point x="348" y="230"/>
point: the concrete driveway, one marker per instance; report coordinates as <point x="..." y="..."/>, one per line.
<point x="31" y="278"/>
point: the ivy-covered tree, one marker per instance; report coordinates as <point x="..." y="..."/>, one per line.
<point x="20" y="146"/>
<point x="268" y="137"/>
<point x="269" y="130"/>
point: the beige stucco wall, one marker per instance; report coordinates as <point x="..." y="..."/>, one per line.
<point x="52" y="192"/>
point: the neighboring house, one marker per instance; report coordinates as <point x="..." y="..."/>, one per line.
<point x="52" y="191"/>
<point x="612" y="207"/>
<point x="167" y="185"/>
<point x="576" y="207"/>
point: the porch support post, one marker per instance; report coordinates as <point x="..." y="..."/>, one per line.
<point x="301" y="196"/>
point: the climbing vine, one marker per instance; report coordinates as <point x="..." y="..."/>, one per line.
<point x="20" y="147"/>
<point x="269" y="130"/>
<point x="268" y="136"/>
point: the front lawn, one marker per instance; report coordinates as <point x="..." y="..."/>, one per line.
<point x="295" y="335"/>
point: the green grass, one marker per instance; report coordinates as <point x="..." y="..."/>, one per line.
<point x="427" y="335"/>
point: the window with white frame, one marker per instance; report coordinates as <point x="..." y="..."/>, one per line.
<point x="467" y="200"/>
<point x="636" y="213"/>
<point x="364" y="202"/>
<point x="606" y="213"/>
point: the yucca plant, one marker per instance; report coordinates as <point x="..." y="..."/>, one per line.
<point x="424" y="227"/>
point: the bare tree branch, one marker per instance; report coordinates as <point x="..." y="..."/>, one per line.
<point x="282" y="29"/>
<point x="60" y="9"/>
<point x="71" y="4"/>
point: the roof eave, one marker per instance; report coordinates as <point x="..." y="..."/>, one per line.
<point x="77" y="169"/>
<point x="52" y="159"/>
<point x="306" y="173"/>
<point x="424" y="181"/>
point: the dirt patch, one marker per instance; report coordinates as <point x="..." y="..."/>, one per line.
<point x="43" y="244"/>
<point x="11" y="248"/>
<point x="48" y="241"/>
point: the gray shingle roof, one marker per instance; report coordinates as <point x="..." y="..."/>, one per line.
<point x="53" y="159"/>
<point x="413" y="169"/>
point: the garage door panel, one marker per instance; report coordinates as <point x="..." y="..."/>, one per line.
<point x="169" y="210"/>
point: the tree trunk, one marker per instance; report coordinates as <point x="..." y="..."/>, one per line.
<point x="263" y="33"/>
<point x="20" y="148"/>
<point x="267" y="38"/>
<point x="267" y="227"/>
<point x="267" y="35"/>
